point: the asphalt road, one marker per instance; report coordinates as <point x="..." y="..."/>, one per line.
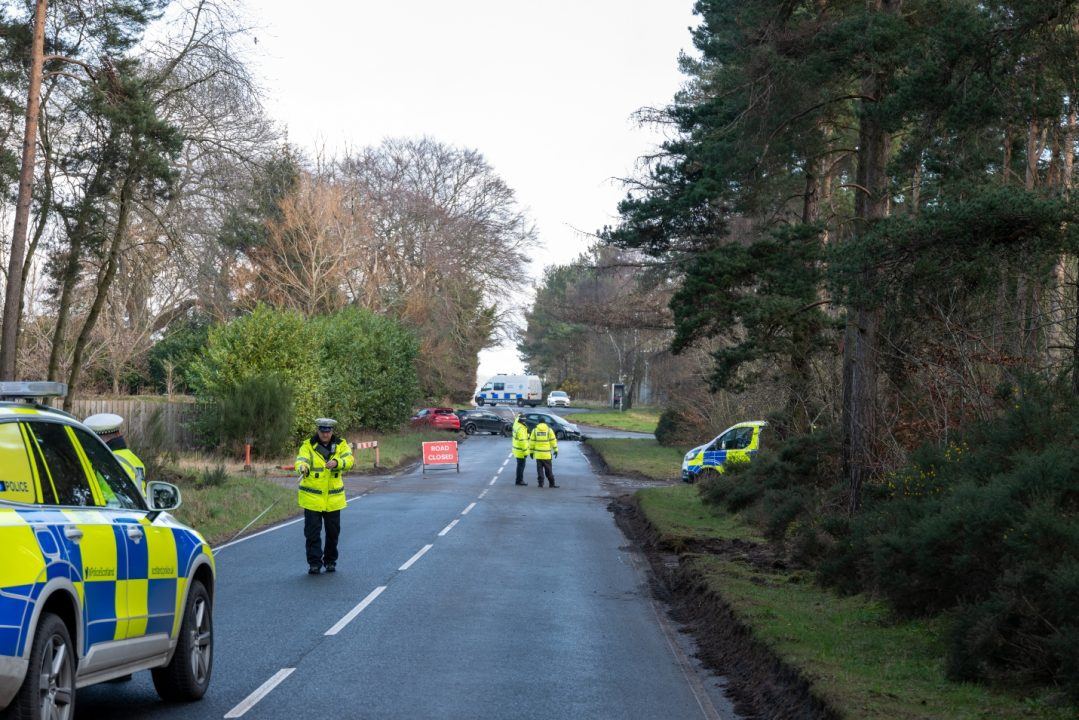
<point x="527" y="604"/>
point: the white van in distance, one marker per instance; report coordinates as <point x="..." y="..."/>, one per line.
<point x="520" y="390"/>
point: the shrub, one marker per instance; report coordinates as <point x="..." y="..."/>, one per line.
<point x="369" y="367"/>
<point x="257" y="409"/>
<point x="672" y="427"/>
<point x="212" y="477"/>
<point x="780" y="487"/>
<point x="265" y="343"/>
<point x="987" y="527"/>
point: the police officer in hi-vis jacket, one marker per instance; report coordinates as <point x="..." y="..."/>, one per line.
<point x="520" y="448"/>
<point x="542" y="443"/>
<point x="321" y="461"/>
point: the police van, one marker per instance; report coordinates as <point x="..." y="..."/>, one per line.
<point x="96" y="580"/>
<point x="519" y="390"/>
<point x="738" y="443"/>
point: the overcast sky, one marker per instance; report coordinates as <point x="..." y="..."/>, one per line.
<point x="545" y="90"/>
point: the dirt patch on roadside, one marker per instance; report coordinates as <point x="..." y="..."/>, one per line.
<point x="759" y="683"/>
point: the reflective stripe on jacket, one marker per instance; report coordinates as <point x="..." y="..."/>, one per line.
<point x="134" y="467"/>
<point x="542" y="442"/>
<point x="520" y="440"/>
<point x="322" y="489"/>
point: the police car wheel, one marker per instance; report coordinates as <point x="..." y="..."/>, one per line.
<point x="48" y="691"/>
<point x="470" y="429"/>
<point x="559" y="435"/>
<point x="187" y="676"/>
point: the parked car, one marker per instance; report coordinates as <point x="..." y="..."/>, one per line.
<point x="96" y="580"/>
<point x="563" y="430"/>
<point x="442" y="418"/>
<point x="738" y="443"/>
<point x="484" y="421"/>
<point x="558" y="398"/>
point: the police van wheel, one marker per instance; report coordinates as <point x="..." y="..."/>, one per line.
<point x="48" y="691"/>
<point x="479" y="401"/>
<point x="187" y="675"/>
<point x="520" y="403"/>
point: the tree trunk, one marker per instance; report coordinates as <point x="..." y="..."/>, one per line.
<point x="103" y="284"/>
<point x="39" y="230"/>
<point x="860" y="351"/>
<point x="9" y="338"/>
<point x="70" y="277"/>
<point x="798" y="412"/>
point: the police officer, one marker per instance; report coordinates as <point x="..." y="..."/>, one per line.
<point x="541" y="444"/>
<point x="520" y="448"/>
<point x="321" y="461"/>
<point x="107" y="426"/>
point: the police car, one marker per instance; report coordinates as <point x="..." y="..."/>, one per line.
<point x="738" y="443"/>
<point x="96" y="582"/>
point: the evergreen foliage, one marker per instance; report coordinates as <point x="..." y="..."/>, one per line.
<point x="258" y="409"/>
<point x="370" y="369"/>
<point x="177" y="352"/>
<point x="266" y="343"/>
<point x="355" y="366"/>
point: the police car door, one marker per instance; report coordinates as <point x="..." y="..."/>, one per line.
<point x="75" y="536"/>
<point x="149" y="567"/>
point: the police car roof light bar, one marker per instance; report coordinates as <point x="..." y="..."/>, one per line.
<point x="31" y="390"/>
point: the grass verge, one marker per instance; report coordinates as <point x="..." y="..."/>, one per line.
<point x="639" y="457"/>
<point x="220" y="511"/>
<point x="858" y="658"/>
<point x="632" y="420"/>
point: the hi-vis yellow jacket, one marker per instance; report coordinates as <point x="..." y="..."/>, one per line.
<point x="542" y="442"/>
<point x="321" y="488"/>
<point x="133" y="467"/>
<point x="520" y="439"/>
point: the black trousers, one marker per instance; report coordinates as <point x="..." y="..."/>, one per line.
<point x="543" y="466"/>
<point x="521" y="469"/>
<point x="312" y="531"/>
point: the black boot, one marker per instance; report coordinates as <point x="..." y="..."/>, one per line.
<point x="553" y="485"/>
<point x="314" y="569"/>
<point x="331" y="567"/>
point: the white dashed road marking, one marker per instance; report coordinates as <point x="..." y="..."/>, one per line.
<point x="356" y="611"/>
<point x="482" y="494"/>
<point x="449" y="527"/>
<point x="465" y="511"/>
<point x="263" y="691"/>
<point x="412" y="560"/>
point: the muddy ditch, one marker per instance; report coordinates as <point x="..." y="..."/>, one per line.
<point x="761" y="686"/>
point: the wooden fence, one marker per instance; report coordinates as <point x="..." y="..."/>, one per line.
<point x="170" y="420"/>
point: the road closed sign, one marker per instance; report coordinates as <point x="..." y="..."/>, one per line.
<point x="442" y="453"/>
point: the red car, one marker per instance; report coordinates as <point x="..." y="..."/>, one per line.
<point x="437" y="418"/>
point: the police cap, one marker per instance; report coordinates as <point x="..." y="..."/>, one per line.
<point x="326" y="424"/>
<point x="104" y="423"/>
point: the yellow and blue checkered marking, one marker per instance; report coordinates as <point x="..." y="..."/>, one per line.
<point x="126" y="588"/>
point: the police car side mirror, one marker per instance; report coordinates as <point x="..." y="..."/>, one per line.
<point x="162" y="496"/>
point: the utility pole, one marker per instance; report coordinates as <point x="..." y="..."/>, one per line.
<point x="13" y="295"/>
